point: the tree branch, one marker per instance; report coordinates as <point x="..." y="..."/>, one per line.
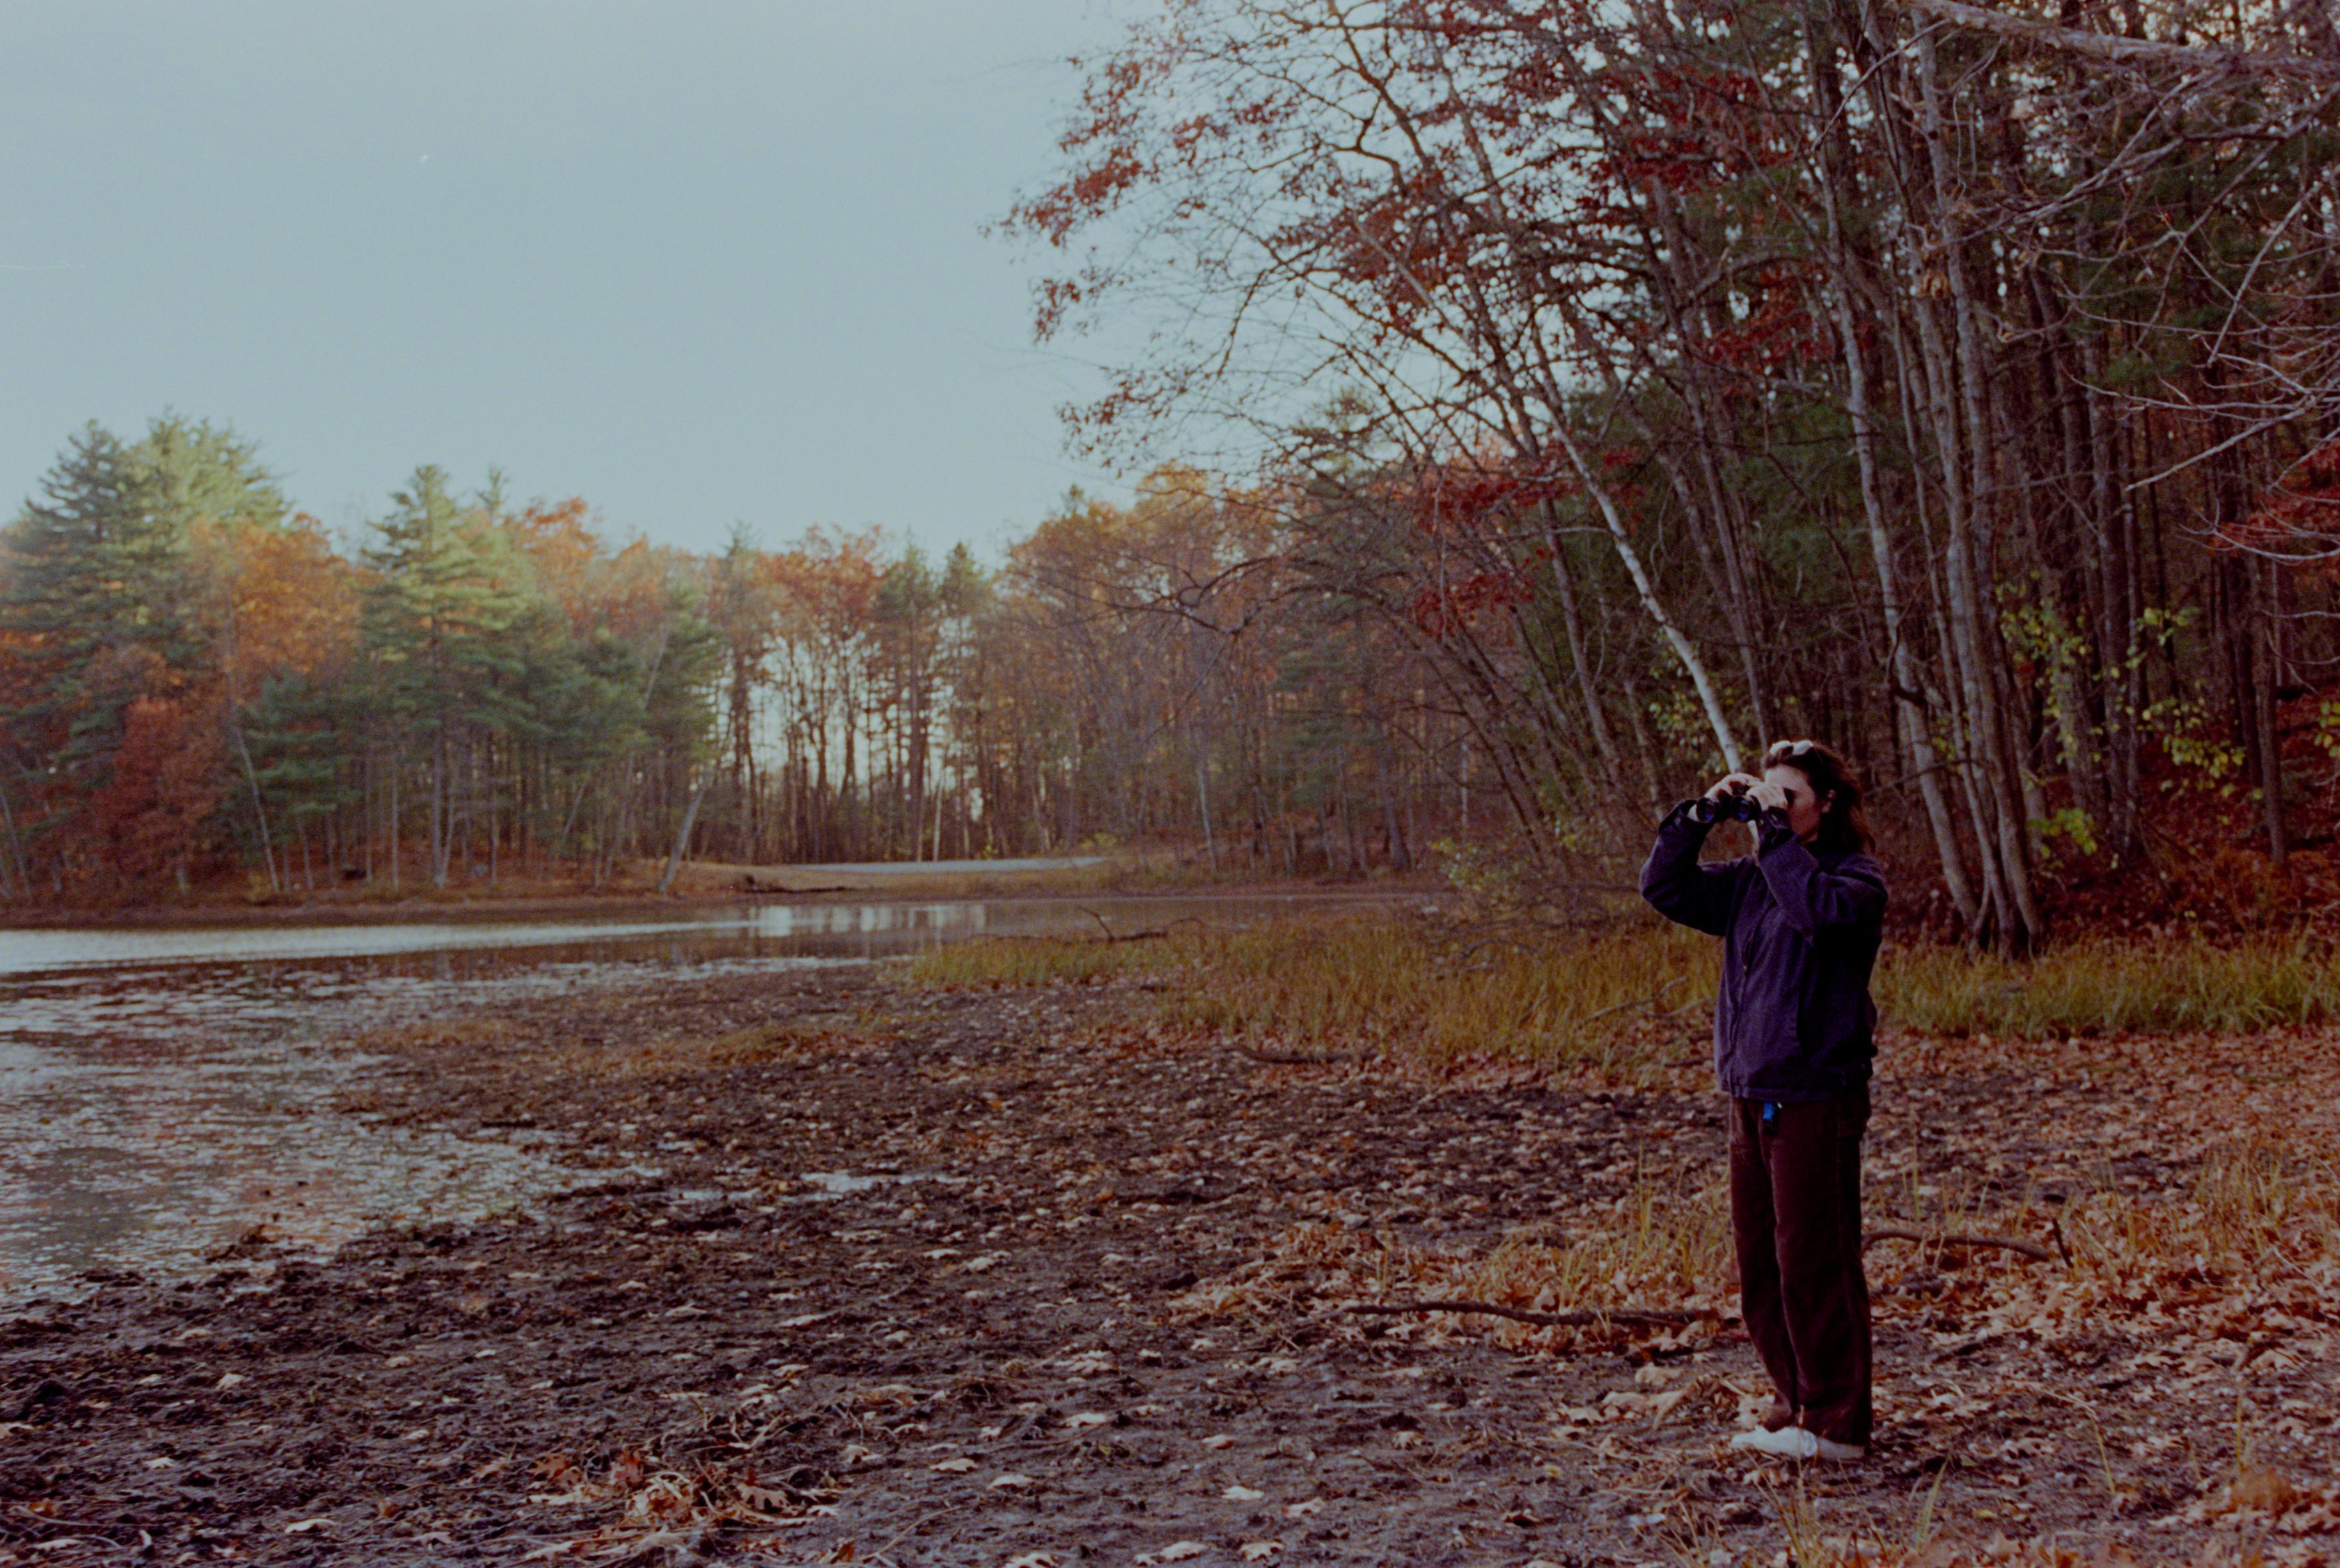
<point x="1952" y="1239"/>
<point x="2112" y="49"/>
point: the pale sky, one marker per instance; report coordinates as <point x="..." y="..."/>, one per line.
<point x="696" y="260"/>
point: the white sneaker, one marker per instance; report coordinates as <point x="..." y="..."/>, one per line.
<point x="1795" y="1442"/>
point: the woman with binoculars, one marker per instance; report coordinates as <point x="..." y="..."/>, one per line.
<point x="1794" y="1033"/>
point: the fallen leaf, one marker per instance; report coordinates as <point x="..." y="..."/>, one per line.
<point x="1661" y="1404"/>
<point x="1258" y="1550"/>
<point x="1013" y="1478"/>
<point x="1180" y="1551"/>
<point x="2267" y="1491"/>
<point x="1240" y="1493"/>
<point x="959" y="1466"/>
<point x="302" y="1527"/>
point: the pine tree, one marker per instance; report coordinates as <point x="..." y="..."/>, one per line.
<point x="198" y="472"/>
<point x="90" y="625"/>
<point x="436" y="625"/>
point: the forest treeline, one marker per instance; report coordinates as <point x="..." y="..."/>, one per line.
<point x="1567" y="399"/>
<point x="1957" y="383"/>
<point x="198" y="682"/>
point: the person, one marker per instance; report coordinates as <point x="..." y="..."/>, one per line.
<point x="1794" y="1033"/>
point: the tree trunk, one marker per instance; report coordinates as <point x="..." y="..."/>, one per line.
<point x="1910" y="719"/>
<point x="682" y="834"/>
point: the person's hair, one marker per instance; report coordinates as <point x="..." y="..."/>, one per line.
<point x="1844" y="826"/>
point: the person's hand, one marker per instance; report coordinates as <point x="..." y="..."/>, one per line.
<point x="1768" y="795"/>
<point x="1733" y="783"/>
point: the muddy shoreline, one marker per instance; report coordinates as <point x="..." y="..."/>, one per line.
<point x="918" y="1282"/>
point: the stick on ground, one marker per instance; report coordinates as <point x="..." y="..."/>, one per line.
<point x="1656" y="1317"/>
<point x="1953" y="1239"/>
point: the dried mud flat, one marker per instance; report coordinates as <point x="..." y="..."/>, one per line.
<point x="1020" y="1276"/>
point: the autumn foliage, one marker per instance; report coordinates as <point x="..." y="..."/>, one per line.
<point x="201" y="689"/>
<point x="1951" y="383"/>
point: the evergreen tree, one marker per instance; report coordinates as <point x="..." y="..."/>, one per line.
<point x="435" y="624"/>
<point x="90" y="625"/>
<point x="196" y="472"/>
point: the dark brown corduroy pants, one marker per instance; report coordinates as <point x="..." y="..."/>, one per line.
<point x="1795" y="1217"/>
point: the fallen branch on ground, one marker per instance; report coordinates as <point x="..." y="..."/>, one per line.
<point x="1649" y="1000"/>
<point x="1953" y="1239"/>
<point x="1590" y="1317"/>
<point x="1133" y="936"/>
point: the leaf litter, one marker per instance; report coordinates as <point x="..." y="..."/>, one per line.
<point x="1121" y="1331"/>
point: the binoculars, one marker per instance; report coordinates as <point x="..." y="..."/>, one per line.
<point x="1736" y="806"/>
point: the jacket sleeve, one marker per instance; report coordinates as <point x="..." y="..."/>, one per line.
<point x="1813" y="897"/>
<point x="1677" y="886"/>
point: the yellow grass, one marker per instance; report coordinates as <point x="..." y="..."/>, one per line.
<point x="2108" y="986"/>
<point x="1381" y="980"/>
<point x="1348" y="981"/>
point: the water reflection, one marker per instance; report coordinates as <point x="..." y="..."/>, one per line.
<point x="862" y="929"/>
<point x="163" y="1090"/>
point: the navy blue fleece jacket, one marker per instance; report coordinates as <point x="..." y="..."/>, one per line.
<point x="1793" y="1022"/>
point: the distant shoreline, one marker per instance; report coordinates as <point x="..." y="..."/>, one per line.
<point x="889" y="886"/>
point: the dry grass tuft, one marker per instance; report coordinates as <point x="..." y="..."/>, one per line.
<point x="2101" y="988"/>
<point x="1614" y="1002"/>
<point x="1443" y="997"/>
<point x="1448" y="994"/>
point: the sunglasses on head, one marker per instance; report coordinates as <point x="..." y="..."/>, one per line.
<point x="1781" y="751"/>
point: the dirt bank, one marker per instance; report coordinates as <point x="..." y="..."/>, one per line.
<point x="983" y="1278"/>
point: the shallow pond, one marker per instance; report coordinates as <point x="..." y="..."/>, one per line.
<point x="163" y="1091"/>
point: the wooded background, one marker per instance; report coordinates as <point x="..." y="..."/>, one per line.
<point x="197" y="682"/>
<point x="1566" y="399"/>
<point x="1956" y="384"/>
